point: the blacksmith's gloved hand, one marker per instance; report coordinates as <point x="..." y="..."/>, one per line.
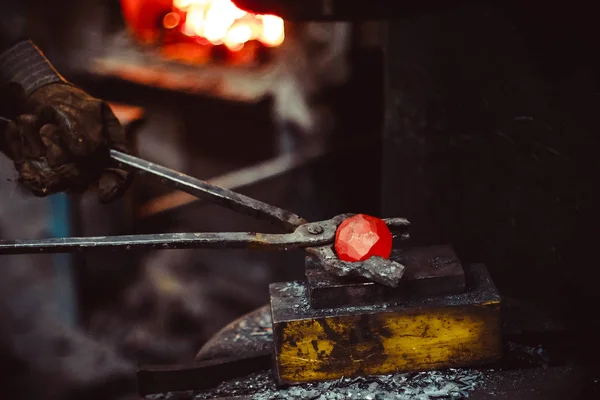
<point x="60" y="136"/>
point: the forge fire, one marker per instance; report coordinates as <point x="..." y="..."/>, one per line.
<point x="205" y="22"/>
<point x="221" y="22"/>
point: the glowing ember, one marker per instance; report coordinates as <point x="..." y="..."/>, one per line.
<point x="221" y="22"/>
<point x="361" y="237"/>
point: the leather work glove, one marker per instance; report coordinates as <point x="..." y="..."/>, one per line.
<point x="59" y="136"/>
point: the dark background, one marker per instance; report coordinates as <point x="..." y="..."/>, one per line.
<point x="492" y="128"/>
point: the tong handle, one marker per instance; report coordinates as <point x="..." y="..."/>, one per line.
<point x="167" y="241"/>
<point x="204" y="190"/>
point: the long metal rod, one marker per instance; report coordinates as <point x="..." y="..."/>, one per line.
<point x="167" y="241"/>
<point x="236" y="180"/>
<point x="196" y="187"/>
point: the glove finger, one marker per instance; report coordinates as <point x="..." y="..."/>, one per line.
<point x="56" y="154"/>
<point x="113" y="183"/>
<point x="77" y="142"/>
<point x="31" y="142"/>
<point x="113" y="129"/>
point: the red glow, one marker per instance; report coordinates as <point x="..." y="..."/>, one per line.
<point x="361" y="237"/>
<point x="221" y="22"/>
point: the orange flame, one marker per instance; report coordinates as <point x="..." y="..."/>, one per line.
<point x="221" y="22"/>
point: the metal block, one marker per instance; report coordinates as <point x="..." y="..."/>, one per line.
<point x="430" y="271"/>
<point x="439" y="332"/>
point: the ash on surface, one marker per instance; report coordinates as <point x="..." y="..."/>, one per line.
<point x="433" y="385"/>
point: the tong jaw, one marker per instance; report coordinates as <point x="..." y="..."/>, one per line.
<point x="377" y="269"/>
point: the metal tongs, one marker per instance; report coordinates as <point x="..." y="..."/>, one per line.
<point x="316" y="238"/>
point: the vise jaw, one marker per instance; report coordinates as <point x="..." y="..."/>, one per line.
<point x="442" y="315"/>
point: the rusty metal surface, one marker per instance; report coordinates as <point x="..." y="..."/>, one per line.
<point x="437" y="332"/>
<point x="430" y="271"/>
